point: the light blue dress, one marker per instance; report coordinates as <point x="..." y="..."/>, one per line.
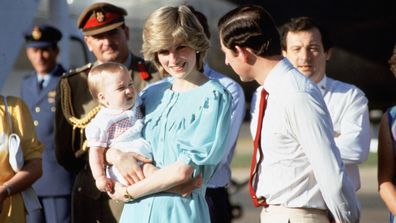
<point x="190" y="126"/>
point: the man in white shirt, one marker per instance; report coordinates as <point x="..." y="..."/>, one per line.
<point x="301" y="175"/>
<point x="308" y="47"/>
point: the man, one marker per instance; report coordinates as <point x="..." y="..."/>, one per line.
<point x="38" y="91"/>
<point x="106" y="36"/>
<point x="300" y="172"/>
<point x="217" y="196"/>
<point x="308" y="48"/>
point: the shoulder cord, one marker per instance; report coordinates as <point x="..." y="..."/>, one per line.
<point x="67" y="109"/>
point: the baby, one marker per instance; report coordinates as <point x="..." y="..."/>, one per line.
<point x="118" y="124"/>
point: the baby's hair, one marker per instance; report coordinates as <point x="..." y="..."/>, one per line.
<point x="97" y="74"/>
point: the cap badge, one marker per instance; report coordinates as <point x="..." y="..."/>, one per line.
<point x="100" y="16"/>
<point x="36" y="33"/>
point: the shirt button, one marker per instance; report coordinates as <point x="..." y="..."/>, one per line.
<point x="79" y="189"/>
<point x="53" y="109"/>
<point x="35" y="123"/>
<point x="37" y="109"/>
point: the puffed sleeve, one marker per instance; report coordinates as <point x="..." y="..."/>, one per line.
<point x="202" y="144"/>
<point x="96" y="136"/>
<point x="23" y="126"/>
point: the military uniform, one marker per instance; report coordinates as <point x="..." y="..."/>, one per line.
<point x="54" y="186"/>
<point x="75" y="107"/>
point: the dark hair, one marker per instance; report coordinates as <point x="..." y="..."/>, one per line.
<point x="202" y="19"/>
<point x="300" y="24"/>
<point x="250" y="26"/>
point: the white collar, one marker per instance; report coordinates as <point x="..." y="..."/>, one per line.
<point x="322" y="85"/>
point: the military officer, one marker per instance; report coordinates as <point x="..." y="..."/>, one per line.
<point x="106" y="36"/>
<point x="38" y="91"/>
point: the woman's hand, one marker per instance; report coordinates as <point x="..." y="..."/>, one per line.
<point x="128" y="164"/>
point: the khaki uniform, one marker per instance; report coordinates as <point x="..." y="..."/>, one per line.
<point x="75" y="107"/>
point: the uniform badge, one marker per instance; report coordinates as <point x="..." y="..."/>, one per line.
<point x="51" y="97"/>
<point x="36" y="33"/>
<point x="100" y="16"/>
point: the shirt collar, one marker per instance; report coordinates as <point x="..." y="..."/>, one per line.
<point x="322" y="85"/>
<point x="283" y="66"/>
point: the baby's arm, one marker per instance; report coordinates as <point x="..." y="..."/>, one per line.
<point x="98" y="165"/>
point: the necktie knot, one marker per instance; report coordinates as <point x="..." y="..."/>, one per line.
<point x="41" y="84"/>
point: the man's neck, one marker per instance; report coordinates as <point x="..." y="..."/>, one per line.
<point x="263" y="66"/>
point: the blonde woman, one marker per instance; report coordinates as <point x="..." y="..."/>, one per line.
<point x="12" y="208"/>
<point x="186" y="122"/>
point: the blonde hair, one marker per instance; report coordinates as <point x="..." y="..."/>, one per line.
<point x="173" y="25"/>
<point x="97" y="74"/>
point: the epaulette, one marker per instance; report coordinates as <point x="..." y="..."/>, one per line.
<point x="72" y="72"/>
<point x="27" y="76"/>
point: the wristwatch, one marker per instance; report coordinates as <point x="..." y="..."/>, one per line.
<point x="128" y="196"/>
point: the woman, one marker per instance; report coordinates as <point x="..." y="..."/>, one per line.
<point x="386" y="153"/>
<point x="12" y="208"/>
<point x="186" y="121"/>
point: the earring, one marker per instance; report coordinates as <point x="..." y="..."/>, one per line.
<point x="197" y="52"/>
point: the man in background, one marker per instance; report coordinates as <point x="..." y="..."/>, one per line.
<point x="38" y="91"/>
<point x="308" y="47"/>
<point x="106" y="35"/>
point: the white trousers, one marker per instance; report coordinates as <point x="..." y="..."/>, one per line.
<point x="280" y="214"/>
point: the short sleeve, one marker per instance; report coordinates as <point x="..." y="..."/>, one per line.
<point x="23" y="126"/>
<point x="96" y="135"/>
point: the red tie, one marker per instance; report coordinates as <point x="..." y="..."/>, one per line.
<point x="257" y="146"/>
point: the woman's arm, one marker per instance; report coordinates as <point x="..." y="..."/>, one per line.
<point x="386" y="165"/>
<point x="23" y="179"/>
<point x="161" y="180"/>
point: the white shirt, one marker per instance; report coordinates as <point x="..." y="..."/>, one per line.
<point x="222" y="175"/>
<point x="349" y="113"/>
<point x="302" y="166"/>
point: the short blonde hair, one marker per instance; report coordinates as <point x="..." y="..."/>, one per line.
<point x="96" y="76"/>
<point x="173" y="25"/>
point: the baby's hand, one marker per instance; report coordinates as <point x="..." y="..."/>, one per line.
<point x="104" y="184"/>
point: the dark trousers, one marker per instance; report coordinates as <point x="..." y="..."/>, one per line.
<point x="219" y="205"/>
<point x="56" y="209"/>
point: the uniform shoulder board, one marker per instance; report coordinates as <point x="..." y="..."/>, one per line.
<point x="72" y="72"/>
<point x="27" y="76"/>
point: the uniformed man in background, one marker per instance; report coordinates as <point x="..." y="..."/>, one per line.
<point x="106" y="36"/>
<point x="38" y="91"/>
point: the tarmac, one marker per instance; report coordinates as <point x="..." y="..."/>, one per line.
<point x="373" y="210"/>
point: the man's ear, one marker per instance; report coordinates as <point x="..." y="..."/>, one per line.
<point x="328" y="54"/>
<point x="88" y="43"/>
<point x="284" y="53"/>
<point x="126" y="31"/>
<point x="243" y="53"/>
<point x="247" y="54"/>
